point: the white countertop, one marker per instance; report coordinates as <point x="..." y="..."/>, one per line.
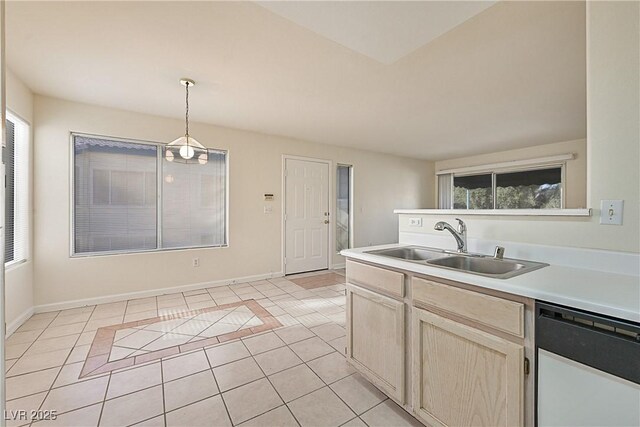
<point x="600" y="292"/>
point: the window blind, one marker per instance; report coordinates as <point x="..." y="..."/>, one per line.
<point x="115" y="205"/>
<point x="194" y="203"/>
<point x="445" y="183"/>
<point x="16" y="160"/>
<point x="9" y="207"/>
<point x="127" y="197"/>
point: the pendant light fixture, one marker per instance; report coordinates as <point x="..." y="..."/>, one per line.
<point x="186" y="149"/>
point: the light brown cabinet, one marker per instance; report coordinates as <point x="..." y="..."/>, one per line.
<point x="463" y="376"/>
<point x="375" y="339"/>
<point x="450" y="353"/>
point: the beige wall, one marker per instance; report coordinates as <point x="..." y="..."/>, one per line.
<point x="613" y="135"/>
<point x="575" y="170"/>
<point x="381" y="183"/>
<point x="19" y="278"/>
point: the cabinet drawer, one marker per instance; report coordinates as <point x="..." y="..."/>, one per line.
<point x="368" y="276"/>
<point x="497" y="313"/>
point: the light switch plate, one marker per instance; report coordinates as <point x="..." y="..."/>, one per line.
<point x="415" y="222"/>
<point x="268" y="209"/>
<point x="611" y="212"/>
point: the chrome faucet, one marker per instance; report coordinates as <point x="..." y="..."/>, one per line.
<point x="460" y="235"/>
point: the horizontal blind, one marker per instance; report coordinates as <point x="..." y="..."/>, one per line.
<point x="16" y="189"/>
<point x="444" y="191"/>
<point x="115" y="195"/>
<point x="9" y="207"/>
<point x="194" y="203"/>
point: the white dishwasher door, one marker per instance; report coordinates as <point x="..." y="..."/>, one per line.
<point x="572" y="394"/>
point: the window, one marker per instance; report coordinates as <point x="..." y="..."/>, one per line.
<point x="16" y="160"/>
<point x="343" y="207"/>
<point x="536" y="188"/>
<point x="473" y="192"/>
<point x="129" y="198"/>
<point x="193" y="203"/>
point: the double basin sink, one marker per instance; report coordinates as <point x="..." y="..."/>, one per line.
<point x="481" y="265"/>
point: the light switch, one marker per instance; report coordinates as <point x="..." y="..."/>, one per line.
<point x="611" y="212"/>
<point x="415" y="222"/>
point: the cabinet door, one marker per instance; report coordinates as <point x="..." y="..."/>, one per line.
<point x="463" y="376"/>
<point x="375" y="339"/>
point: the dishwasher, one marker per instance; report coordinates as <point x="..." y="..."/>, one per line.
<point x="588" y="368"/>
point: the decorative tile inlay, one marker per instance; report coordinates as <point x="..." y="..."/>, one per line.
<point x="133" y="343"/>
<point x="319" y="280"/>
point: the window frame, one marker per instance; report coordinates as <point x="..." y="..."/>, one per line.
<point x="25" y="179"/>
<point x="500" y="170"/>
<point x="159" y="186"/>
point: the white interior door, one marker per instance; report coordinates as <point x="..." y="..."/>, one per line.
<point x="306" y="215"/>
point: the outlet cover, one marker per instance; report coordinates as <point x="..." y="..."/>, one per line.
<point x="611" y="212"/>
<point x="415" y="222"/>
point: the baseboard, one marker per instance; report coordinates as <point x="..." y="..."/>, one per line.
<point x="339" y="266"/>
<point x="64" y="305"/>
<point x="18" y="321"/>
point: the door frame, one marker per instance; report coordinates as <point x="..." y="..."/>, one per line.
<point x="331" y="233"/>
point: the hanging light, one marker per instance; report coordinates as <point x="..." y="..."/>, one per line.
<point x="186" y="149"/>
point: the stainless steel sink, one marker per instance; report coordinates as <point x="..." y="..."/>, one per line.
<point x="410" y="253"/>
<point x="481" y="265"/>
<point x="486" y="266"/>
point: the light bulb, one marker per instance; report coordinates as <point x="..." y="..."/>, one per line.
<point x="202" y="159"/>
<point x="187" y="152"/>
<point x="168" y="155"/>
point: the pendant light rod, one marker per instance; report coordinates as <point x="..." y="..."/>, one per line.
<point x="186" y="83"/>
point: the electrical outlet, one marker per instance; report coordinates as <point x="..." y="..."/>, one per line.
<point x="611" y="212"/>
<point x="196" y="262"/>
<point x="415" y="222"/>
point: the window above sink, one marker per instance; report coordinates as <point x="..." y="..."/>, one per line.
<point x="546" y="180"/>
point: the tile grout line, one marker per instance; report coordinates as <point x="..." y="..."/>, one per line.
<point x="48" y="392"/>
<point x="30" y="345"/>
<point x="284" y="403"/>
<point x="164" y="397"/>
<point x="104" y="400"/>
<point x="65" y="361"/>
<point x="224" y="403"/>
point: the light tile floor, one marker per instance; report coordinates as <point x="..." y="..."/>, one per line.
<point x="293" y="375"/>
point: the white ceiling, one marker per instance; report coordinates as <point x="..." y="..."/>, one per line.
<point x="385" y="31"/>
<point x="511" y="76"/>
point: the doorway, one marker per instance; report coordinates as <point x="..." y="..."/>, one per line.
<point x="306" y="215"/>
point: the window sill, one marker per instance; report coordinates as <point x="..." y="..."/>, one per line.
<point x="498" y="212"/>
<point x="12" y="265"/>
<point x="142" y="251"/>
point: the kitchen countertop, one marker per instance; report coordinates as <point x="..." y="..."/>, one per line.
<point x="611" y="294"/>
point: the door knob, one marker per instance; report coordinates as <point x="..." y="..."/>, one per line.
<point x="326" y="221"/>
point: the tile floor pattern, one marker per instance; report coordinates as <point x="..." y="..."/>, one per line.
<point x="293" y="375"/>
<point x="140" y="341"/>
